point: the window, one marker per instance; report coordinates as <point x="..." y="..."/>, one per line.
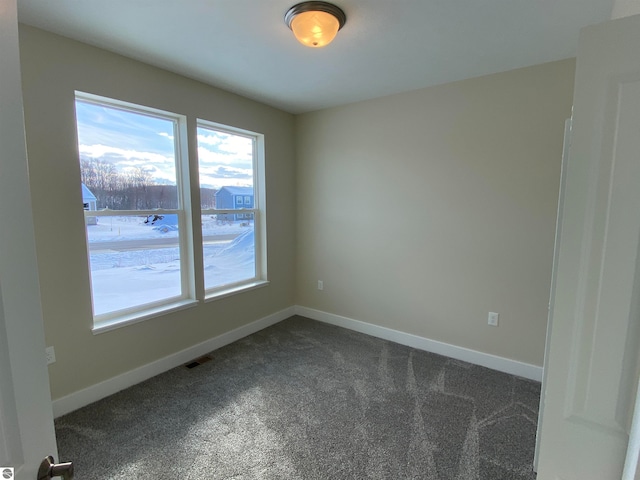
<point x="138" y="220"/>
<point x="230" y="163"/>
<point x="137" y="234"/>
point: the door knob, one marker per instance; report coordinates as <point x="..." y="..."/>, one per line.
<point x="48" y="469"/>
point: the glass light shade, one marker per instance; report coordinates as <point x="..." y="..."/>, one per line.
<point x="314" y="28"/>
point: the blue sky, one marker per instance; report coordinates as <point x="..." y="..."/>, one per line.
<point x="130" y="140"/>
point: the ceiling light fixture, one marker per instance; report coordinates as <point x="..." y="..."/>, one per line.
<point x="315" y="24"/>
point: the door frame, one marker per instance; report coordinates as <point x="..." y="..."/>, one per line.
<point x="27" y="432"/>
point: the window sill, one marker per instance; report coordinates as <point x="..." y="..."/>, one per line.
<point x="124" y="320"/>
<point x="226" y="292"/>
<point x="102" y="326"/>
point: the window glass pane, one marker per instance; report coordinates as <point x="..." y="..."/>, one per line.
<point x="134" y="260"/>
<point x="225" y="161"/>
<point x="228" y="248"/>
<point x="127" y="159"/>
<point x="128" y="162"/>
<point x="226" y="165"/>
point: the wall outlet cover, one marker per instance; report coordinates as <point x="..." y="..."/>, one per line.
<point x="50" y="354"/>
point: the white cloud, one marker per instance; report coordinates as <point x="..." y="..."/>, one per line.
<point x="209" y="139"/>
<point x="98" y="151"/>
<point x="222" y="175"/>
<point x="224" y="171"/>
<point x="161" y="167"/>
<point x="231" y="144"/>
<point x="208" y="156"/>
<point x="241" y="146"/>
<point x="166" y="135"/>
<point x="217" y="182"/>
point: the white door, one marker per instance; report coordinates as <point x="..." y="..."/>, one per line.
<point x="26" y="419"/>
<point x="592" y="368"/>
<point x="563" y="177"/>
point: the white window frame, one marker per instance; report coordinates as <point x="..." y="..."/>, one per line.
<point x="258" y="211"/>
<point x="187" y="298"/>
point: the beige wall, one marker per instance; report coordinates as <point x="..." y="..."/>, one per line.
<point x="423" y="211"/>
<point x="625" y="8"/>
<point x="52" y="68"/>
<point x="420" y="211"/>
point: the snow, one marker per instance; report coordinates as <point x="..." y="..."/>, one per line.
<point x="114" y="228"/>
<point x="230" y="263"/>
<point x="134" y="263"/>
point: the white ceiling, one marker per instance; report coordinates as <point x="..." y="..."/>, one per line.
<point x="386" y="46"/>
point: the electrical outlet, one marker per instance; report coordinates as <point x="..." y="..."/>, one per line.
<point x="320" y="285"/>
<point x="493" y="319"/>
<point x="50" y="353"/>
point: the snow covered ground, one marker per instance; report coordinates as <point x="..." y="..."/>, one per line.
<point x="132" y="228"/>
<point x="134" y="263"/>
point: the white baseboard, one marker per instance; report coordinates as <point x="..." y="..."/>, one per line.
<point x="494" y="362"/>
<point x="81" y="398"/>
<point x="75" y="400"/>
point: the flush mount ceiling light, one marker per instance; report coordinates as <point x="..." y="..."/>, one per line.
<point x="315" y="24"/>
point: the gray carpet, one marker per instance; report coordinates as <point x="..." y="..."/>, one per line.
<point x="306" y="400"/>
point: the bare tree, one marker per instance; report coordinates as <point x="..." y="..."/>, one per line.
<point x="100" y="177"/>
<point x="134" y="190"/>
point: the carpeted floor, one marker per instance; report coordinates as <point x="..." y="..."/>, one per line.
<point x="306" y="400"/>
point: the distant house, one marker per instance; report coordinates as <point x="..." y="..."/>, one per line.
<point x="89" y="202"/>
<point x="235" y="198"/>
